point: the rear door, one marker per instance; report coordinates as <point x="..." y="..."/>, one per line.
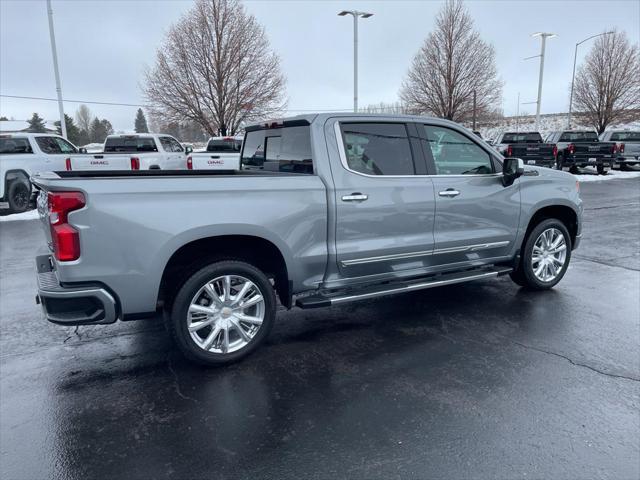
<point x="56" y="151"/>
<point x="476" y="217"/>
<point x="175" y="158"/>
<point x="384" y="200"/>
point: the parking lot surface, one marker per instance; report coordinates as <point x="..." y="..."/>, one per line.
<point x="479" y="380"/>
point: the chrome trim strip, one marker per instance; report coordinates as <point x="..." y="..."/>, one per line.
<point x="343" y="160"/>
<point x="417" y="286"/>
<point x="402" y="256"/>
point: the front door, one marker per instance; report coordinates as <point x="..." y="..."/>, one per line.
<point x="384" y="211"/>
<point x="476" y="216"/>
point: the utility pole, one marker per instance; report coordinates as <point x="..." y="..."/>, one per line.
<point x="573" y="77"/>
<point x="544" y="37"/>
<point x="355" y="15"/>
<point x="54" y="53"/>
<point x="518" y="115"/>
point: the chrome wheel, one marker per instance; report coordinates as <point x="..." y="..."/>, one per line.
<point x="549" y="255"/>
<point x="225" y="314"/>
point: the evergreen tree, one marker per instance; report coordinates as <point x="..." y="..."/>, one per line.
<point x="73" y="132"/>
<point x="3" y="119"/>
<point x="141" y="122"/>
<point x="99" y="130"/>
<point x="36" y="124"/>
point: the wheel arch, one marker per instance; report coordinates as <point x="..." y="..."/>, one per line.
<point x="258" y="251"/>
<point x="14" y="174"/>
<point x="566" y="214"/>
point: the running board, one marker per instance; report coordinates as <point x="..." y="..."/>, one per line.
<point x="316" y="301"/>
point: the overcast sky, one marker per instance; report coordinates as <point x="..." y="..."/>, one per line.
<point x="104" y="46"/>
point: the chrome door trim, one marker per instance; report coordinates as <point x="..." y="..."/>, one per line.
<point x="402" y="256"/>
<point x="345" y="165"/>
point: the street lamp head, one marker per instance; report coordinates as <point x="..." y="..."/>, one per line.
<point x="544" y="34"/>
<point x="345" y="12"/>
<point x="366" y="15"/>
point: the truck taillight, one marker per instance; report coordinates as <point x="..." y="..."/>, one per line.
<point x="555" y="150"/>
<point x="614" y="148"/>
<point x="621" y="148"/>
<point x="189" y="163"/>
<point x="509" y="151"/>
<point x="571" y="148"/>
<point x="65" y="238"/>
<point x="67" y="164"/>
<point x="135" y="163"/>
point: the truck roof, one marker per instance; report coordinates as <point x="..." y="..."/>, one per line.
<point x="28" y="134"/>
<point x="322" y="117"/>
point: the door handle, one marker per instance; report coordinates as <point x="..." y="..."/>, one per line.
<point x="355" y="197"/>
<point x="449" y="192"/>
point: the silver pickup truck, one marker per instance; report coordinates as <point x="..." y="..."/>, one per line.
<point x="326" y="209"/>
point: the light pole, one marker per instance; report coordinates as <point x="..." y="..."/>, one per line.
<point x="573" y="77"/>
<point x="355" y="15"/>
<point x="543" y="36"/>
<point x="63" y="126"/>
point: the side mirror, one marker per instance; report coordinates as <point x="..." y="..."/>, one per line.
<point x="82" y="150"/>
<point x="512" y="168"/>
<point x="188" y="149"/>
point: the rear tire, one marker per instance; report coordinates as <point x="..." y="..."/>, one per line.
<point x="18" y="195"/>
<point x="209" y="321"/>
<point x="545" y="256"/>
<point x="559" y="162"/>
<point x="601" y="170"/>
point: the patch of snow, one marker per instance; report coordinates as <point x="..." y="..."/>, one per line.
<point x="590" y="175"/>
<point x="30" y="215"/>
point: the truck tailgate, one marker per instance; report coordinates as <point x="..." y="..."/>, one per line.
<point x="215" y="161"/>
<point x="532" y="151"/>
<point x="594" y="148"/>
<point x="99" y="162"/>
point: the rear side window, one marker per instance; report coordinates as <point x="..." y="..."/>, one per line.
<point x="228" y="145"/>
<point x="48" y="145"/>
<point x="286" y="150"/>
<point x="456" y="154"/>
<point x="377" y="148"/>
<point x="625" y="137"/>
<point x="15" y="145"/>
<point x="579" y="137"/>
<point x="130" y="144"/>
<point x="522" y="138"/>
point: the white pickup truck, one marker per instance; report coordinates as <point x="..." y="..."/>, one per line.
<point x="23" y="155"/>
<point x="141" y="151"/>
<point x="222" y="153"/>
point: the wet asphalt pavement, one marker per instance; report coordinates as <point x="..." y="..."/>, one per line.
<point x="481" y="380"/>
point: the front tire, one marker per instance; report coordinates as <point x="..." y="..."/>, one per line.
<point x="545" y="257"/>
<point x="222" y="312"/>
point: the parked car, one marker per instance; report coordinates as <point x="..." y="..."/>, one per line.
<point x="140" y="151"/>
<point x="222" y="153"/>
<point x="22" y="155"/>
<point x="627" y="146"/>
<point x="380" y="205"/>
<point x="581" y="148"/>
<point x="528" y="146"/>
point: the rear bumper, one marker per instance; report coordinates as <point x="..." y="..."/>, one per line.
<point x="86" y="305"/>
<point x="628" y="160"/>
<point x="584" y="161"/>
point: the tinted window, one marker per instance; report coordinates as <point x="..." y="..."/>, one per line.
<point x="521" y="138"/>
<point x="48" y="145"/>
<point x="15" y="145"/>
<point x="377" y="148"/>
<point x="170" y="144"/>
<point x="130" y="144"/>
<point x="625" y="137"/>
<point x="224" y="145"/>
<point x="285" y="149"/>
<point x="456" y="154"/>
<point x="579" y="137"/>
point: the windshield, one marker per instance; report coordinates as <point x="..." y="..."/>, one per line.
<point x="130" y="144"/>
<point x="625" y="137"/>
<point x="224" y="145"/>
<point x="522" y="138"/>
<point x="579" y="137"/>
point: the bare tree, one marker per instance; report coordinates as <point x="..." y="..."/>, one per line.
<point x="453" y="63"/>
<point x="216" y="68"/>
<point x="607" y="85"/>
<point x="84" y="117"/>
